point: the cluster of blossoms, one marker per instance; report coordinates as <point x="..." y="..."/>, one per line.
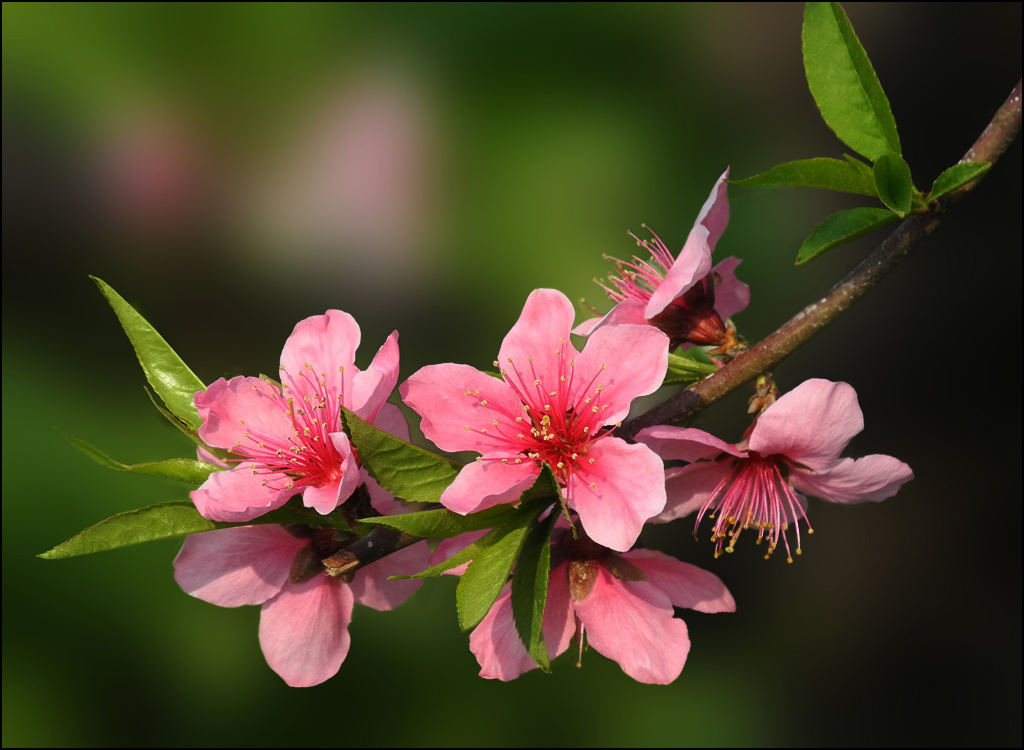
<point x="548" y="404"/>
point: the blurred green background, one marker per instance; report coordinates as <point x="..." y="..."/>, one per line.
<point x="231" y="169"/>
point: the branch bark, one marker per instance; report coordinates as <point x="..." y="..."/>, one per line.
<point x="778" y="346"/>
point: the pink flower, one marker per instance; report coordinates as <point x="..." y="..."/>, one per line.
<point x="305" y="617"/>
<point x="685" y="297"/>
<point x="792" y="448"/>
<point x="621" y="603"/>
<point x="552" y="404"/>
<point x="290" y="440"/>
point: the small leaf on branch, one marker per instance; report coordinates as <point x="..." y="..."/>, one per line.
<point x="171" y="378"/>
<point x="401" y="468"/>
<point x="844" y="85"/>
<point x="842" y="227"/>
<point x="530" y="590"/>
<point x="824" y="174"/>
<point x="892" y="180"/>
<point x="443" y="523"/>
<point x="686" y="369"/>
<point x="187" y="470"/>
<point x="957" y="176"/>
<point x="166" y="520"/>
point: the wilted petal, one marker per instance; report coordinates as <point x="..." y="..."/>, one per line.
<point x="304" y="630"/>
<point x="684" y="443"/>
<point x="619" y="491"/>
<point x="231" y="567"/>
<point x="241" y="494"/>
<point x="452" y="398"/>
<point x="689" y="487"/>
<point x="372" y="588"/>
<point x="631" y="622"/>
<point x="484" y="484"/>
<point x="241" y="412"/>
<point x="811" y="424"/>
<point x="732" y="296"/>
<point x="371" y="387"/>
<point x="629" y="361"/>
<point x="686" y="585"/>
<point x="868" y="479"/>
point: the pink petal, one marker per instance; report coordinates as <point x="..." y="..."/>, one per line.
<point x="448" y="548"/>
<point x="484" y="484"/>
<point x="208" y="458"/>
<point x="241" y="411"/>
<point x="304" y="630"/>
<point x="715" y="213"/>
<point x="629" y="361"/>
<point x="438" y="393"/>
<point x="810" y="425"/>
<point x="632" y="623"/>
<point x="321" y="348"/>
<point x="231" y="567"/>
<point x="542" y="329"/>
<point x="686" y="585"/>
<point x="559" y="617"/>
<point x="381" y="500"/>
<point x="684" y="443"/>
<point x="496" y="644"/>
<point x="240" y="494"/>
<point x="325" y="499"/>
<point x="689" y="487"/>
<point x="372" y="588"/>
<point x="732" y="296"/>
<point x="622" y="488"/>
<point x="391" y="420"/>
<point x="371" y="388"/>
<point x="627" y="312"/>
<point x="868" y="479"/>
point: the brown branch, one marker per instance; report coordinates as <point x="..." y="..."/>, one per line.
<point x="379" y="543"/>
<point x="776" y="347"/>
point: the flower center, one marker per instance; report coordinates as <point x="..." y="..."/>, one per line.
<point x="754" y="494"/>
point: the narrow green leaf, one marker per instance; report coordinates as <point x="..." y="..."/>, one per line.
<point x="841" y="228"/>
<point x="166" y="520"/>
<point x="957" y="176"/>
<point x="892" y="180"/>
<point x="401" y="468"/>
<point x="443" y="523"/>
<point x="844" y="84"/>
<point x="187" y="470"/>
<point x="530" y="590"/>
<point x="169" y="376"/>
<point x="683" y="369"/>
<point x="824" y="174"/>
<point x="493" y="560"/>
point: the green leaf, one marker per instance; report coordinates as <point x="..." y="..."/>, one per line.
<point x="401" y="468"/>
<point x="683" y="369"/>
<point x="493" y="559"/>
<point x="842" y="227"/>
<point x="844" y="84"/>
<point x="166" y="520"/>
<point x="530" y="590"/>
<point x="957" y="176"/>
<point x="892" y="180"/>
<point x="187" y="470"/>
<point x="824" y="174"/>
<point x="169" y="376"/>
<point x="443" y="523"/>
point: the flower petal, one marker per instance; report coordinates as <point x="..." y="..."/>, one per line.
<point x="715" y="212"/>
<point x="633" y="624"/>
<point x="240" y="412"/>
<point x="810" y="425"/>
<point x="542" y="329"/>
<point x="484" y="484"/>
<point x="732" y="296"/>
<point x="206" y="457"/>
<point x="328" y="497"/>
<point x="457" y="402"/>
<point x="627" y="312"/>
<point x="684" y="443"/>
<point x="304" y="630"/>
<point x="448" y="548"/>
<point x="622" y="488"/>
<point x="372" y="588"/>
<point x="322" y="348"/>
<point x="627" y="360"/>
<point x="391" y="420"/>
<point x="686" y="585"/>
<point x="689" y="487"/>
<point x="241" y="494"/>
<point x="372" y="386"/>
<point x="496" y="644"/>
<point x="868" y="479"/>
<point x="559" y="618"/>
<point x="231" y="567"/>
